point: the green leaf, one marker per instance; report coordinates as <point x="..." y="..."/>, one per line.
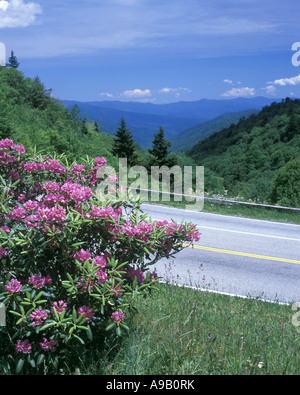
<point x="48" y="325"/>
<point x="89" y="333"/>
<point x="20" y="365"/>
<point x="79" y="339"/>
<point x="15" y="313"/>
<point x="110" y="326"/>
<point x="118" y="331"/>
<point x="40" y="359"/>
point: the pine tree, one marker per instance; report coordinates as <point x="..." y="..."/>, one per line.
<point x="13" y="61"/>
<point x="123" y="146"/>
<point x="160" y="154"/>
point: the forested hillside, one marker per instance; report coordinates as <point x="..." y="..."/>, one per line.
<point x="257" y="158"/>
<point x="30" y="116"/>
<point x="185" y="140"/>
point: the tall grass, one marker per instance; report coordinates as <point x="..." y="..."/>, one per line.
<point x="181" y="331"/>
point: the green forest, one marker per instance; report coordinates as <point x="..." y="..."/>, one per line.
<point x="257" y="158"/>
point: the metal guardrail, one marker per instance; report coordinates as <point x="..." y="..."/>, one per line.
<point x="222" y="201"/>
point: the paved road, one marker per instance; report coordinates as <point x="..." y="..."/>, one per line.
<point x="236" y="255"/>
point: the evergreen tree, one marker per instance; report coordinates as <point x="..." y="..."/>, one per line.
<point x="160" y="154"/>
<point x="123" y="146"/>
<point x="13" y="61"/>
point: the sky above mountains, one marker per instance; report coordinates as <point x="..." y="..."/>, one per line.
<point x="157" y="51"/>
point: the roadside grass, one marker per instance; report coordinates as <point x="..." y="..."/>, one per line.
<point x="239" y="210"/>
<point x="182" y="331"/>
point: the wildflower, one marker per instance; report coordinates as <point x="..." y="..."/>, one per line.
<point x="59" y="307"/>
<point x="3" y="252"/>
<point x="100" y="261"/>
<point x="260" y="365"/>
<point x="23" y="346"/>
<point x="82" y="256"/>
<point x="5" y="228"/>
<point x="14" y="286"/>
<point x="30" y="205"/>
<point x="100" y="161"/>
<point x="49" y="345"/>
<point x="117" y="316"/>
<point x="37" y="316"/>
<point x="18" y="213"/>
<point x="88" y="313"/>
<point x="39" y="281"/>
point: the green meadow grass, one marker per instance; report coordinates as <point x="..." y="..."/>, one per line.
<point x="182" y="331"/>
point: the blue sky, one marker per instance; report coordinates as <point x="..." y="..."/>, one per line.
<point x="156" y="51"/>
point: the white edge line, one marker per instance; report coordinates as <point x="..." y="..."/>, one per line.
<point x="226" y="293"/>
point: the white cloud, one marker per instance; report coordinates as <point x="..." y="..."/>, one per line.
<point x="240" y="92"/>
<point x="270" y="90"/>
<point x="227" y="81"/>
<point x="169" y="90"/>
<point x="166" y="90"/>
<point x="288" y="81"/>
<point x="106" y="94"/>
<point x="137" y="93"/>
<point x="16" y="13"/>
<point x="3" y="5"/>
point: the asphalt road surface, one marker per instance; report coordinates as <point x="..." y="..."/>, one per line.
<point x="246" y="257"/>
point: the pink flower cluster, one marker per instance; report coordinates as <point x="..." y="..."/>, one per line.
<point x="132" y="272"/>
<point x="38" y="316"/>
<point x="88" y="313"/>
<point x="14" y="286"/>
<point x="26" y="348"/>
<point x="38" y="281"/>
<point x="59" y="307"/>
<point x="171" y="228"/>
<point x="3" y="252"/>
<point x="49" y="345"/>
<point x="51" y="165"/>
<point x="23" y="346"/>
<point x="117" y="316"/>
<point x="99" y="261"/>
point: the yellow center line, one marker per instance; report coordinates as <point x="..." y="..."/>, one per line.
<point x="269" y="258"/>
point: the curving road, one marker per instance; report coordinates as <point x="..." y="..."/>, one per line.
<point x="235" y="255"/>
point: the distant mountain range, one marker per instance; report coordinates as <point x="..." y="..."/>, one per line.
<point x="178" y="119"/>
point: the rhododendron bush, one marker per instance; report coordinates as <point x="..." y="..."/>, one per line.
<point x="71" y="263"/>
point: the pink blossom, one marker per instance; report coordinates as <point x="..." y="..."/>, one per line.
<point x="100" y="161"/>
<point x="13" y="286"/>
<point x="51" y="187"/>
<point x="19" y="148"/>
<point x="29" y="167"/>
<point x="78" y="168"/>
<point x="88" y="313"/>
<point x="100" y="261"/>
<point x="115" y="290"/>
<point x="132" y="272"/>
<point x="31" y="205"/>
<point x="6" y="143"/>
<point x="23" y="346"/>
<point x="82" y="256"/>
<point x="3" y="252"/>
<point x="117" y="316"/>
<point x="49" y="345"/>
<point x="38" y="316"/>
<point x="32" y="221"/>
<point x="18" y="213"/>
<point x="39" y="281"/>
<point x="59" y="307"/>
<point x="5" y="228"/>
<point x="102" y="276"/>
